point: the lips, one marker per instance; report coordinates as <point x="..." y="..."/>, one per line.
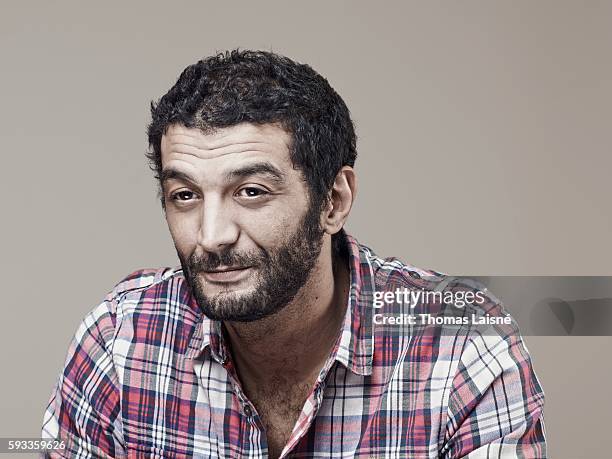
<point x="226" y="274"/>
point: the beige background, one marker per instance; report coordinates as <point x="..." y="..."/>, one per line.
<point x="484" y="143"/>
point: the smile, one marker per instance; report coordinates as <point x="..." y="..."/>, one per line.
<point x="226" y="274"/>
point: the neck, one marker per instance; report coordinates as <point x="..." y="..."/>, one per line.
<point x="296" y="341"/>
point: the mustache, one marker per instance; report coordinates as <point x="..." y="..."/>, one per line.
<point x="212" y="260"/>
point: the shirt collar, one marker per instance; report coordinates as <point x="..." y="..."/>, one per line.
<point x="355" y="345"/>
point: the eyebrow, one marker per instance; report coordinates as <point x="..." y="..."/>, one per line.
<point x="262" y="168"/>
<point x="173" y="174"/>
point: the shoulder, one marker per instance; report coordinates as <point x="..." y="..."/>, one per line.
<point x="138" y="291"/>
<point x="406" y="300"/>
<point x="388" y="272"/>
<point x="146" y="286"/>
<point x="458" y="316"/>
<point x="431" y="291"/>
<point x="140" y="280"/>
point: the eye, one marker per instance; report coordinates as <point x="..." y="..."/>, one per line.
<point x="251" y="192"/>
<point x="182" y="196"/>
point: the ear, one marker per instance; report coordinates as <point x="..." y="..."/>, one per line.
<point x="342" y="196"/>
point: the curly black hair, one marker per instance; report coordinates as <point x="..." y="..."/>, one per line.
<point x="262" y="87"/>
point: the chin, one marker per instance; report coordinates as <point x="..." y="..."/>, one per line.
<point x="237" y="291"/>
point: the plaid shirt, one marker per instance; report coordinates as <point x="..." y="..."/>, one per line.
<point x="147" y="375"/>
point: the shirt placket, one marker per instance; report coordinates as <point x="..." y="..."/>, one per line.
<point x="310" y="408"/>
<point x="248" y="410"/>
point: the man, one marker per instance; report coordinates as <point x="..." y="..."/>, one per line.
<point x="276" y="337"/>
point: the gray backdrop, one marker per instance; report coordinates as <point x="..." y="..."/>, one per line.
<point x="484" y="149"/>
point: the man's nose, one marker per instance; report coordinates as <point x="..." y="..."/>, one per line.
<point x="218" y="229"/>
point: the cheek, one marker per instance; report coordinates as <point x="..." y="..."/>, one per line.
<point x="184" y="231"/>
<point x="271" y="230"/>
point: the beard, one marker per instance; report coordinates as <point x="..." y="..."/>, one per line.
<point x="280" y="273"/>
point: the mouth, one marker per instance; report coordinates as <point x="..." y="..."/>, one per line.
<point x="225" y="274"/>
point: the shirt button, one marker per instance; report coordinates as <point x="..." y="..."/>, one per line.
<point x="247" y="410"/>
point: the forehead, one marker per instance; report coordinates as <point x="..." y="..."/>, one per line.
<point x="226" y="145"/>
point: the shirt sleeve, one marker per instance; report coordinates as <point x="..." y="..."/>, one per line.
<point x="496" y="403"/>
<point x="84" y="409"/>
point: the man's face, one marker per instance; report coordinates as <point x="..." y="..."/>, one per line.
<point x="240" y="217"/>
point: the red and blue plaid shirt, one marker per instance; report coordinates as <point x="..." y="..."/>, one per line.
<point x="148" y="375"/>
